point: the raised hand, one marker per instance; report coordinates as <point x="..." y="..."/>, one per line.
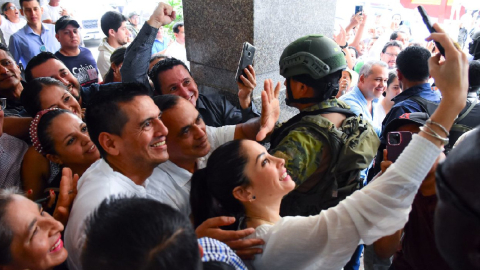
<point x="245" y="89"/>
<point x="244" y="248"/>
<point x="341" y="38"/>
<point x="270" y="109"/>
<point x="162" y="15"/>
<point x="68" y="192"/>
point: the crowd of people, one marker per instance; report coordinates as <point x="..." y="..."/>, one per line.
<point x="138" y="170"/>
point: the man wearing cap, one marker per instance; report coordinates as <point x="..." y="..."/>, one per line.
<point x="79" y="60"/>
<point x="132" y="24"/>
<point x="34" y="37"/>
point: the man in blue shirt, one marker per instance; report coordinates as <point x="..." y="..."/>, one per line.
<point x="161" y="42"/>
<point x="371" y="84"/>
<point x="413" y="74"/>
<point x="34" y="37"/>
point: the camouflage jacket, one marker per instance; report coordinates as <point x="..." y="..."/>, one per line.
<point x="303" y="149"/>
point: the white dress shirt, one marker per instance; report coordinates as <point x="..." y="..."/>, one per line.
<point x="171" y="184"/>
<point x="97" y="183"/>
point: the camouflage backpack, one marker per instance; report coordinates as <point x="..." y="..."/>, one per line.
<point x="352" y="147"/>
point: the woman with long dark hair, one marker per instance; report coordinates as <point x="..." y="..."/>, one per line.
<point x="244" y="181"/>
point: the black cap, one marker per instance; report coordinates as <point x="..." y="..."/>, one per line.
<point x="419" y="118"/>
<point x="64" y="21"/>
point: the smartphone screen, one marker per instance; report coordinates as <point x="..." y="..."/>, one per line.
<point x="396" y="142"/>
<point x="246" y="59"/>
<point x="358" y="9"/>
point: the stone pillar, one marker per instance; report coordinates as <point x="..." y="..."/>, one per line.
<point x="216" y="29"/>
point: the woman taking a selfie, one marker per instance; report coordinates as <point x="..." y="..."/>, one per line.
<point x="244" y="181"/>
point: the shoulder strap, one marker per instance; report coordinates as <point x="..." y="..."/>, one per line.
<point x="468" y="110"/>
<point x="426" y="105"/>
<point x="298" y="117"/>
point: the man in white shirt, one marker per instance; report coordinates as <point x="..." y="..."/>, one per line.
<point x="177" y="48"/>
<point x="190" y="143"/>
<point x="53" y="11"/>
<point x="10" y="21"/>
<point x="125" y="126"/>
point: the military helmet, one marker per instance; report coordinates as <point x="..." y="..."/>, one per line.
<point x="315" y="55"/>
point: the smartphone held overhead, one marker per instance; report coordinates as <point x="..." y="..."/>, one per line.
<point x="246" y="59"/>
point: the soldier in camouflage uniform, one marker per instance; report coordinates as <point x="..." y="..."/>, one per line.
<point x="312" y="66"/>
<point x="324" y="147"/>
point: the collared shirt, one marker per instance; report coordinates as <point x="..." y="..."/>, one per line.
<point x="25" y="44"/>
<point x="328" y="240"/>
<point x="171" y="184"/>
<point x="358" y="105"/>
<point x="11" y="156"/>
<point x="97" y="183"/>
<point x="216" y="251"/>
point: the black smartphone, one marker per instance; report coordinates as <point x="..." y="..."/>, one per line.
<point x="246" y="59"/>
<point x="358" y="9"/>
<point x="397" y="141"/>
<point x="430" y="28"/>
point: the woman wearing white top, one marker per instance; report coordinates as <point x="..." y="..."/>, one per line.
<point x="382" y="107"/>
<point x="10" y="21"/>
<point x="243" y="180"/>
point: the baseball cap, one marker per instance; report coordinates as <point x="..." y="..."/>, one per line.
<point x="419" y="118"/>
<point x="131" y="14"/>
<point x="64" y="21"/>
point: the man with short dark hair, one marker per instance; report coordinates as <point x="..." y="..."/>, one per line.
<point x="190" y="142"/>
<point x="390" y="53"/>
<point x="79" y="60"/>
<point x="33" y="38"/>
<point x="413" y="73"/>
<point x="154" y="236"/>
<point x="125" y="126"/>
<point x="172" y="76"/>
<point x="400" y="36"/>
<point x="114" y="26"/>
<point x="177" y="49"/>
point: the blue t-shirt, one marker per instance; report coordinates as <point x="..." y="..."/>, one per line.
<point x="83" y="66"/>
<point x="160" y="46"/>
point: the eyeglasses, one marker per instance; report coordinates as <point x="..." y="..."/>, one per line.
<point x="447" y="193"/>
<point x="3" y="104"/>
<point x="391" y="54"/>
<point x="11" y="8"/>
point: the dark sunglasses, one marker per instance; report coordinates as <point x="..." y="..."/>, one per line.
<point x="447" y="193"/>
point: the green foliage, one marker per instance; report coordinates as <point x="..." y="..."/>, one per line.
<point x="178" y="7"/>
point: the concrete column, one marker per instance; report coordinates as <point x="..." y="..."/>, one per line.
<point x="216" y="29"/>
